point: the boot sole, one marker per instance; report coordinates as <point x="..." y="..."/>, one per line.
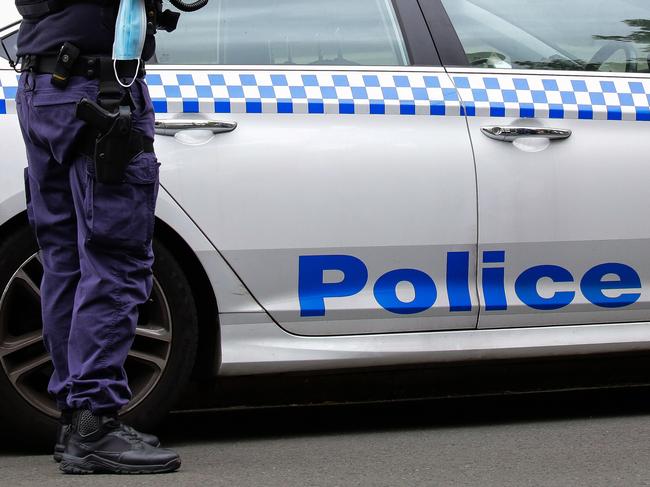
<point x="93" y="464"/>
<point x="58" y="453"/>
<point x="60" y="448"/>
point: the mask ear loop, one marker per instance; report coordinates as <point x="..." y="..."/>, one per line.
<point x="135" y="76"/>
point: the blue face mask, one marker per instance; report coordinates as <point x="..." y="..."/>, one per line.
<point x="130" y="33"/>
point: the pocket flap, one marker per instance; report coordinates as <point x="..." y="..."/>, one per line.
<point x="44" y="98"/>
<point x="144" y="169"/>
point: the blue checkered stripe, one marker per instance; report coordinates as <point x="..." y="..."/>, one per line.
<point x="387" y="93"/>
<point x="302" y="93"/>
<point x="559" y="97"/>
<point x="8" y="88"/>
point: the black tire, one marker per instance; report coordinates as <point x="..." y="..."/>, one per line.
<point x="33" y="425"/>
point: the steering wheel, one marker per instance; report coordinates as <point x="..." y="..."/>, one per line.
<point x="489" y="59"/>
<point x="608" y="50"/>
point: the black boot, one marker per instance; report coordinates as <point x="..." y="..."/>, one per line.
<point x="102" y="444"/>
<point x="63" y="432"/>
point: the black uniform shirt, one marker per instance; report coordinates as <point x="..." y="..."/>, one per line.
<point x="89" y="26"/>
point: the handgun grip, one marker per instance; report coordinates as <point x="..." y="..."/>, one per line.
<point x="94" y="115"/>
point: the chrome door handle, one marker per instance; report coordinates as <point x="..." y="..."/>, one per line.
<point x="509" y="134"/>
<point x="172" y="127"/>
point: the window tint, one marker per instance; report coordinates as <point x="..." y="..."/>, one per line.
<point x="590" y="35"/>
<point x="285" y="32"/>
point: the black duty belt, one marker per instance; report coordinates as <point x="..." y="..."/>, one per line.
<point x="87" y="66"/>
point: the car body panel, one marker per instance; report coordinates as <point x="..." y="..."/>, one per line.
<point x="12" y="189"/>
<point x="250" y="348"/>
<point x="576" y="203"/>
<point x="231" y="295"/>
<point x="319" y="179"/>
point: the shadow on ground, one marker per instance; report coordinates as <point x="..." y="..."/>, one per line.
<point x="383" y="401"/>
<point x="299" y="421"/>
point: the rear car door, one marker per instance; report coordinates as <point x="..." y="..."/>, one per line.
<point x="345" y="198"/>
<point x="557" y="97"/>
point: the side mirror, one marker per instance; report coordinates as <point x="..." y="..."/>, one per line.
<point x="10" y="48"/>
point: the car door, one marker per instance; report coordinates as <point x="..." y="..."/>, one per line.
<point x="330" y="165"/>
<point x="557" y="97"/>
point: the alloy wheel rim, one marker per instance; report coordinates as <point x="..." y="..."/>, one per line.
<point x="26" y="363"/>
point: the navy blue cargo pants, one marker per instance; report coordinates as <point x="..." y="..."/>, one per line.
<point x="95" y="242"/>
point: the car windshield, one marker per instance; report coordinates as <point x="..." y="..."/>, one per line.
<point x="554" y="34"/>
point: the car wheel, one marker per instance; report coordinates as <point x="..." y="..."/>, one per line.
<point x="158" y="366"/>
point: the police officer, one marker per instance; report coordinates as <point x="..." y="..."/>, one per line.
<point x="91" y="205"/>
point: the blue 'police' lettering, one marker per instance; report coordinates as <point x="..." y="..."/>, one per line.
<point x="494" y="290"/>
<point x="592" y="285"/>
<point x="526" y="287"/>
<point x="386" y="291"/>
<point x="312" y="291"/>
<point x="458" y="282"/>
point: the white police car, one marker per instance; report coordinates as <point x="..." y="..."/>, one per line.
<point x="356" y="184"/>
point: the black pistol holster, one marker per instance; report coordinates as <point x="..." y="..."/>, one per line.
<point x="112" y="139"/>
<point x="109" y="128"/>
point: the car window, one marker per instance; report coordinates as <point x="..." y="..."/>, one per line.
<point x="8" y="44"/>
<point x="588" y="35"/>
<point x="286" y="32"/>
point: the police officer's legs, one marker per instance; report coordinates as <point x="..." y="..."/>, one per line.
<point x="96" y="246"/>
<point x="52" y="216"/>
<point x="55" y="226"/>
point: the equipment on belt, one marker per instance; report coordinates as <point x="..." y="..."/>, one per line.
<point x="110" y="127"/>
<point x="108" y="137"/>
<point x="110" y="140"/>
<point x="86" y="66"/>
<point x="67" y="57"/>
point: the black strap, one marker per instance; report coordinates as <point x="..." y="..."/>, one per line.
<point x="88" y="66"/>
<point x="111" y="93"/>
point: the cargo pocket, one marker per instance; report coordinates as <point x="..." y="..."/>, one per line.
<point x="121" y="216"/>
<point x="53" y="120"/>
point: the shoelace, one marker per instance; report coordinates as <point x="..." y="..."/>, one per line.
<point x="124" y="430"/>
<point x="130" y="431"/>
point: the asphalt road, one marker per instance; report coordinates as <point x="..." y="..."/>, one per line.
<point x="557" y="439"/>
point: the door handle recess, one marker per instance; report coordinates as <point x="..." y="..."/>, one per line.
<point x="509" y="134"/>
<point x="172" y="127"/>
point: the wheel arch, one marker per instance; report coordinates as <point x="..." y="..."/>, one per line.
<point x="12" y="224"/>
<point x="204" y="297"/>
